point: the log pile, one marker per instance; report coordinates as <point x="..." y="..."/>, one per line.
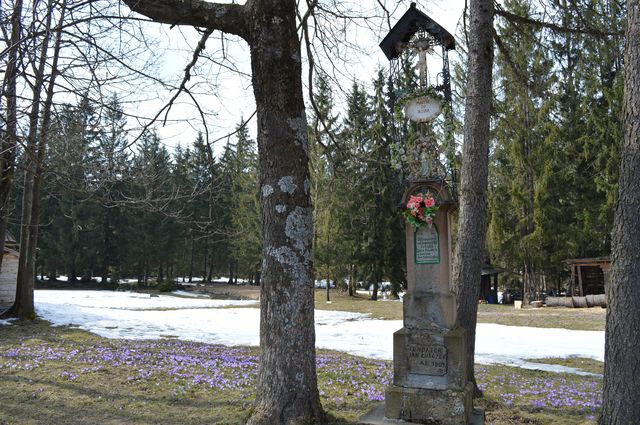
<point x="599" y="300"/>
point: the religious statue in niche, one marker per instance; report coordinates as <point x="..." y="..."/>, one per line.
<point x="427" y="153"/>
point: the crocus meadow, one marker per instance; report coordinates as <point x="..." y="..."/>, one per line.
<point x="348" y="385"/>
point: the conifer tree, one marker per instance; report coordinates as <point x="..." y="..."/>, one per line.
<point x="246" y="239"/>
<point x="322" y="154"/>
<point x="384" y="243"/>
<point x="523" y="122"/>
<point x="349" y="166"/>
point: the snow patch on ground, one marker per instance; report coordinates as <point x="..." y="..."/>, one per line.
<point x="51" y="300"/>
<point x="190" y="294"/>
<point x="139" y="316"/>
<point x="523" y="342"/>
<point x="5" y="322"/>
<point x="524" y="364"/>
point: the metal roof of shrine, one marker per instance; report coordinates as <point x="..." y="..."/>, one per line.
<point x="410" y="23"/>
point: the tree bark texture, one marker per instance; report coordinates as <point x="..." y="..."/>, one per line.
<point x="287" y="391"/>
<point x="621" y="403"/>
<point x="472" y="223"/>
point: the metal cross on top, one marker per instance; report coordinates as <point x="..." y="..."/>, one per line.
<point x="418" y="34"/>
<point x="429" y="34"/>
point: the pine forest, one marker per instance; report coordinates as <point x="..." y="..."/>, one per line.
<point x="115" y="205"/>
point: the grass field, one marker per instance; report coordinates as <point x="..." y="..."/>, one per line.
<point x="65" y="376"/>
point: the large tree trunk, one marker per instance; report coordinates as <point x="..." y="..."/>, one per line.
<point x="622" y="348"/>
<point x="472" y="224"/>
<point x="287" y="390"/>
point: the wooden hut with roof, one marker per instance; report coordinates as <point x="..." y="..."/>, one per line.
<point x="9" y="272"/>
<point x="588" y="284"/>
<point x="589" y="276"/>
<point x="489" y="283"/>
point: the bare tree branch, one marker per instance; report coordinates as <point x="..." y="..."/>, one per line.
<point x="512" y="17"/>
<point x="229" y="18"/>
<point x="183" y="87"/>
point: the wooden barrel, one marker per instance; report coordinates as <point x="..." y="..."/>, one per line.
<point x="559" y="302"/>
<point x="580" y="302"/>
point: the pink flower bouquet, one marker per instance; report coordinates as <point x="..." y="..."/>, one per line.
<point x="421" y="209"/>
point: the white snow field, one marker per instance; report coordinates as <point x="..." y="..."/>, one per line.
<point x="139" y="316"/>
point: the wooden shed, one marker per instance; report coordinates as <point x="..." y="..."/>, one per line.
<point x="8" y="277"/>
<point x="489" y="283"/>
<point x="589" y="276"/>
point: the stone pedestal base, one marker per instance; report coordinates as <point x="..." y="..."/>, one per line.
<point x="376" y="417"/>
<point x="428" y="359"/>
<point x="433" y="407"/>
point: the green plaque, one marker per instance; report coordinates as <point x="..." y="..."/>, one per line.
<point x="427" y="245"/>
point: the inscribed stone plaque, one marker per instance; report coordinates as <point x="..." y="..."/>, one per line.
<point x="427" y="359"/>
<point x="427" y="245"/>
<point x="423" y="109"/>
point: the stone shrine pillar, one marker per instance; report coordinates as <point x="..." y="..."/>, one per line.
<point x="429" y="378"/>
<point x="429" y="369"/>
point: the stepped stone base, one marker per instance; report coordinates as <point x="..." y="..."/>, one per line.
<point x="434" y="407"/>
<point x="377" y="417"/>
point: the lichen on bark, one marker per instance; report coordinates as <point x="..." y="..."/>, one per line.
<point x="287" y="185"/>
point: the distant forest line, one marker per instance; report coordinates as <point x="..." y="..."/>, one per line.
<point x="111" y="209"/>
